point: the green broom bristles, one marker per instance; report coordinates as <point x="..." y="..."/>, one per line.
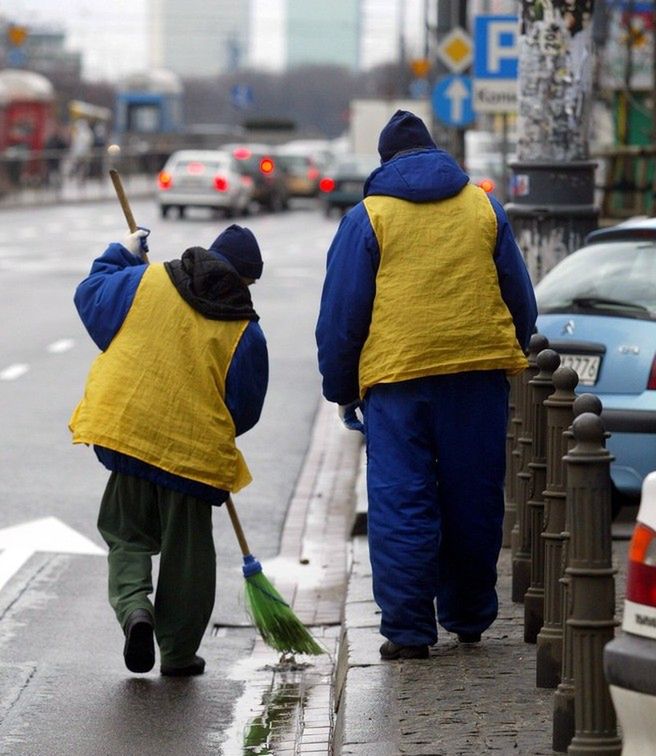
<point x="274" y="619"/>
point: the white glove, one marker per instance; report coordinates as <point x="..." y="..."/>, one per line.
<point x="349" y="417"/>
<point x="136" y="242"/>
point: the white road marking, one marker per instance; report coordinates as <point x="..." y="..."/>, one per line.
<point x="14" y="371"/>
<point x="62" y="345"/>
<point x="19" y="542"/>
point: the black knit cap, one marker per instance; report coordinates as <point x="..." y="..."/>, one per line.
<point x="404" y="131"/>
<point x="239" y="247"/>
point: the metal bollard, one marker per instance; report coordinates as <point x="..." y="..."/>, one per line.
<point x="510" y="485"/>
<point x="563" y="715"/>
<point x="560" y="414"/>
<point x="521" y="562"/>
<point x="541" y="387"/>
<point x="592" y="587"/>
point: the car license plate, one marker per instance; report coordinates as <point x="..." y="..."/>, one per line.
<point x="586" y="365"/>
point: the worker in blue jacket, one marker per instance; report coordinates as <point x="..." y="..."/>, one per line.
<point x="183" y="370"/>
<point x="427" y="306"/>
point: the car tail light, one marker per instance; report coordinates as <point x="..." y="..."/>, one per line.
<point x="313" y="174"/>
<point x="241" y="153"/>
<point x="195" y="168"/>
<point x="651" y="382"/>
<point x="640" y="603"/>
<point x="641" y="576"/>
<point x="267" y="165"/>
<point x="221" y="183"/>
<point x="165" y="180"/>
<point x="327" y="184"/>
<point x="487" y="185"/>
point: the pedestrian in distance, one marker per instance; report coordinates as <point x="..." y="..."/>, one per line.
<point x="427" y="306"/>
<point x="183" y="370"/>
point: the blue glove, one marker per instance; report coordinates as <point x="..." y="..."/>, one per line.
<point x="137" y="242"/>
<point x="349" y="417"/>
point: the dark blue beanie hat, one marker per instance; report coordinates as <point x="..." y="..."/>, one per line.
<point x="404" y="131"/>
<point x="239" y="247"/>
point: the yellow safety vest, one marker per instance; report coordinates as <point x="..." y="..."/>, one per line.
<point x="158" y="392"/>
<point x="438" y="307"/>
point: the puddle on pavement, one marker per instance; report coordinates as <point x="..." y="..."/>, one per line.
<point x="268" y="716"/>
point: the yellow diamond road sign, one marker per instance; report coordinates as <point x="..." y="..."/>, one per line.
<point x="455" y="50"/>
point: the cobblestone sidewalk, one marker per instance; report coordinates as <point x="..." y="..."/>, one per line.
<point x="465" y="700"/>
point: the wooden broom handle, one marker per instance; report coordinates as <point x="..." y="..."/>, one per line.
<point x="125" y="205"/>
<point x="122" y="198"/>
<point x="243" y="545"/>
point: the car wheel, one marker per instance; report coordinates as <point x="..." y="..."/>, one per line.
<point x="327" y="210"/>
<point x="276" y="203"/>
<point x="229" y="212"/>
<point x="182" y="210"/>
<point x="164" y="210"/>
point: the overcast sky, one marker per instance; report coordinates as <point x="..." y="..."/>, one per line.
<point x="112" y="34"/>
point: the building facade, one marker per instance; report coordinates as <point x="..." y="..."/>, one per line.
<point x="196" y="38"/>
<point x="323" y="33"/>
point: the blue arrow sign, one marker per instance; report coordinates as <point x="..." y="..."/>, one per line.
<point x="452" y="100"/>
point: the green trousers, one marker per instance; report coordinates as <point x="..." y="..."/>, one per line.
<point x="139" y="519"/>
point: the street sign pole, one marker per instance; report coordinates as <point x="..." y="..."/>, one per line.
<point x="552" y="206"/>
<point x="451" y="15"/>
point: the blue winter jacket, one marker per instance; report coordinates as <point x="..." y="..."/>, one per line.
<point x="353" y="259"/>
<point x="103" y="300"/>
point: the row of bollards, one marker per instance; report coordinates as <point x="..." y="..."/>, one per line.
<point x="558" y="525"/>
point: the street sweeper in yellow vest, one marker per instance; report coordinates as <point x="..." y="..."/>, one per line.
<point x="183" y="371"/>
<point x="427" y="306"/>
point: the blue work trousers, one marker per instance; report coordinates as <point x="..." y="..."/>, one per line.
<point x="435" y="476"/>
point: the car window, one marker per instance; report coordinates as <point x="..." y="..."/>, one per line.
<point x="201" y="166"/>
<point x="623" y="272"/>
<point x="360" y="166"/>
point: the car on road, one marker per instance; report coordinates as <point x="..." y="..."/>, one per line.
<point x="302" y="174"/>
<point x="630" y="658"/>
<point x="203" y="178"/>
<point x="258" y="163"/>
<point x="342" y="184"/>
<point x="597" y="307"/>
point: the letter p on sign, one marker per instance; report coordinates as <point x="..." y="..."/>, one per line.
<point x="495" y="47"/>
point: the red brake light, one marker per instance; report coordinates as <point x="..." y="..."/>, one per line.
<point x="241" y="153"/>
<point x="327" y="184"/>
<point x="195" y="168"/>
<point x="266" y="165"/>
<point x="221" y="184"/>
<point x="165" y="180"/>
<point x="651" y="382"/>
<point x="487" y="185"/>
<point x="641" y="573"/>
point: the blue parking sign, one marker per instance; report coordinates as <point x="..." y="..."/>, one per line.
<point x="496" y="47"/>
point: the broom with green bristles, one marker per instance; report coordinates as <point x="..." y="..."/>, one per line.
<point x="274" y="619"/>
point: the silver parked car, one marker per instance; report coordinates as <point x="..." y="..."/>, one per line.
<point x="203" y="178"/>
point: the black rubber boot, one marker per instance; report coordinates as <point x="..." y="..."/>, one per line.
<point x="139" y="648"/>
<point x="197" y="667"/>
<point x="390" y="651"/>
